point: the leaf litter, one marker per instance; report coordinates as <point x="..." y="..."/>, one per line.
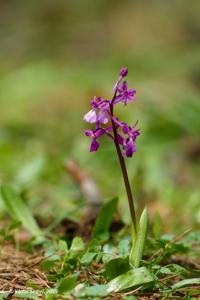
<point x="20" y="270"/>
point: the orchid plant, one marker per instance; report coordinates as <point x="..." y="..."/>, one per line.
<point x="124" y="137"/>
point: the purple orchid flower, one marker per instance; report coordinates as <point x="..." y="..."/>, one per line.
<point x="102" y="112"/>
<point x="129" y="147"/>
<point x="95" y="134"/>
<point x="130" y="135"/>
<point x="99" y="113"/>
<point x="125" y="95"/>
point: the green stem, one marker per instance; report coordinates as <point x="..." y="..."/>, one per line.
<point x="123" y="169"/>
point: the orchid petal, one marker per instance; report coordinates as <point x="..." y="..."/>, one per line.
<point x="91" y="116"/>
<point x="102" y="117"/>
<point x="88" y="132"/>
<point x="94" y="145"/>
<point x="130" y="148"/>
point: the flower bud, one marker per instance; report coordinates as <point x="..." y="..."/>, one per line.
<point x="123" y="72"/>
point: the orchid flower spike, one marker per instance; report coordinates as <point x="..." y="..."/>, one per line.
<point x="102" y="112"/>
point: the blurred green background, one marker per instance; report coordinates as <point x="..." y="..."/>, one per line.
<point x="56" y="55"/>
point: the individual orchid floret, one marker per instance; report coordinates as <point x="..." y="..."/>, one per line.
<point x="95" y="134"/>
<point x="124" y="94"/>
<point x="129" y="148"/>
<point x="99" y="113"/>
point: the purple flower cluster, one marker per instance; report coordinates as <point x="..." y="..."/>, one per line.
<point x="106" y="123"/>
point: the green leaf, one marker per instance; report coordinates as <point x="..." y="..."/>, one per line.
<point x="77" y="245"/>
<point x="104" y="219"/>
<point x="85" y="292"/>
<point x="132" y="278"/>
<point x="116" y="266"/>
<point x="172" y="269"/>
<point x="47" y="265"/>
<point x="94" y="246"/>
<point x="138" y="242"/>
<point x="185" y="282"/>
<point x="62" y="246"/>
<point x="67" y="284"/>
<point x="87" y="258"/>
<point x="18" y="211"/>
